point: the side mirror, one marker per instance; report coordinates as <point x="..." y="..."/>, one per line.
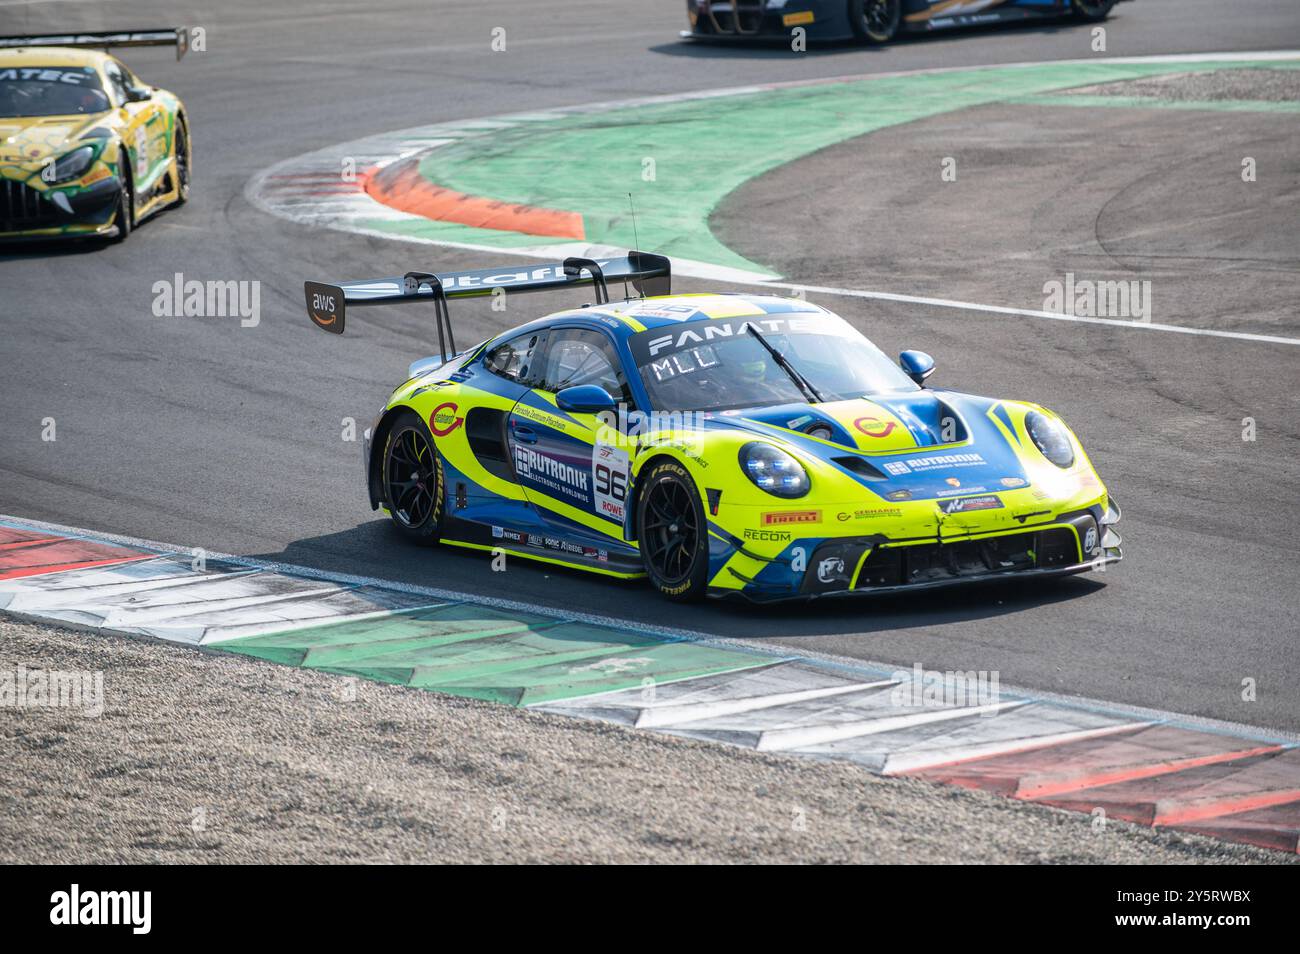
<point x="917" y="365"/>
<point x="585" y="399"/>
<point x="139" y="94"/>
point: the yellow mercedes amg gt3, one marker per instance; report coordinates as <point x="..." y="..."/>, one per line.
<point x="86" y="147"/>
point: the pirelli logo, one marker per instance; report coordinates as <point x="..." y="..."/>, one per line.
<point x="783" y="518"/>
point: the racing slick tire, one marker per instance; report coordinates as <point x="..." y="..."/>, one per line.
<point x="124" y="219"/>
<point x="412" y="479"/>
<point x="876" y="21"/>
<point x="673" y="532"/>
<point x="1092" y="10"/>
<point x="182" y="155"/>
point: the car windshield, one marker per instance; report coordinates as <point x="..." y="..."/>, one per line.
<point x="50" y="91"/>
<point x="717" y="365"/>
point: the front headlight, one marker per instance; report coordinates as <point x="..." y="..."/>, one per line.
<point x="71" y="166"/>
<point x="773" y="470"/>
<point x="1051" y="438"/>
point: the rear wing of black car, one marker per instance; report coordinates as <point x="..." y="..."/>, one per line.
<point x="327" y="305"/>
<point x="179" y="37"/>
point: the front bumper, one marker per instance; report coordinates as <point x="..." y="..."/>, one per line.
<point x="877" y="565"/>
<point x="28" y="213"/>
<point x="992" y="577"/>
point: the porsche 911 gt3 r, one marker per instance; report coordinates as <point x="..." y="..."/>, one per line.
<point x="86" y="148"/>
<point x="874" y="21"/>
<point x="716" y="444"/>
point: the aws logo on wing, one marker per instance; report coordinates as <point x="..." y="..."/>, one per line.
<point x="325" y="306"/>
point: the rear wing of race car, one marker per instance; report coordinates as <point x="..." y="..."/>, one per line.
<point x="327" y="305"/>
<point x="178" y="37"/>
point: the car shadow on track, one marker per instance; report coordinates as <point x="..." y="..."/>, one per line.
<point x="51" y="248"/>
<point x="375" y="549"/>
<point x="80" y="245"/>
<point x="870" y="614"/>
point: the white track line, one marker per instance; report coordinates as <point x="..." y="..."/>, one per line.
<point x="1026" y="312"/>
<point x="852" y="668"/>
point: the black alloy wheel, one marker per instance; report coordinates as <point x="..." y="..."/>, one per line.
<point x="413" y="478"/>
<point x="673" y="532"/>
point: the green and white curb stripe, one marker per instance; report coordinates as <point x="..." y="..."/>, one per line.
<point x="804" y="708"/>
<point x="465" y="650"/>
<point x="368" y="631"/>
<point x="703" y="145"/>
<point x="655" y="680"/>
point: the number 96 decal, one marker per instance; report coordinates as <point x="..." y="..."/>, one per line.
<point x="610" y="467"/>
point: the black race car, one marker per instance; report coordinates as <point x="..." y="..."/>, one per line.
<point x="873" y="21"/>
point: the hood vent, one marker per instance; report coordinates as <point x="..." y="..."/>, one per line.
<point x="959" y="434"/>
<point x="860" y="467"/>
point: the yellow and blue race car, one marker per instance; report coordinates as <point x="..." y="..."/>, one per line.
<point x="716" y="444"/>
<point x="86" y="148"/>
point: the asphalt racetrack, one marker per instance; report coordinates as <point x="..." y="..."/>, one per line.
<point x="204" y="433"/>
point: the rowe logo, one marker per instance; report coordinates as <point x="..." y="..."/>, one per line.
<point x="103" y="907"/>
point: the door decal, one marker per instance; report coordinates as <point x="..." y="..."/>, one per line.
<point x="610" y="470"/>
